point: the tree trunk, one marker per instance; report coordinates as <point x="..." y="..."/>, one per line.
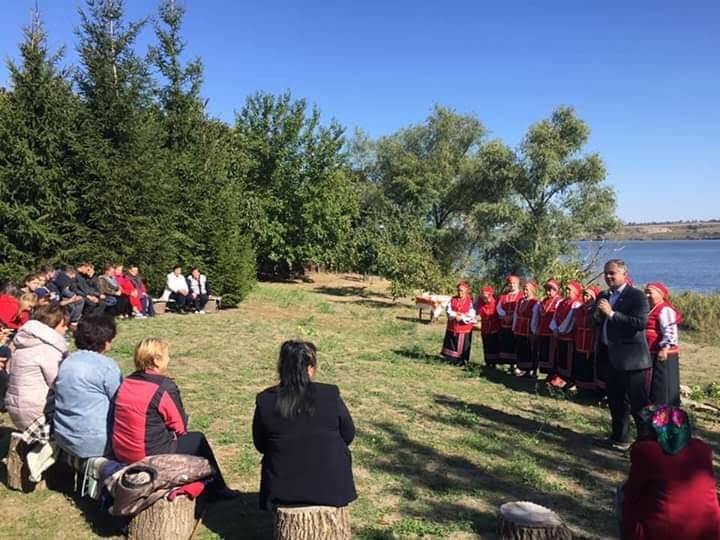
<point x="312" y="523"/>
<point x="528" y="521"/>
<point x="164" y="520"/>
<point x="17" y="470"/>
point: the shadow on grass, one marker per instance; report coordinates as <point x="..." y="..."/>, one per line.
<point x="418" y="354"/>
<point x="518" y="452"/>
<point x="415" y="320"/>
<point x="238" y="518"/>
<point x="349" y="290"/>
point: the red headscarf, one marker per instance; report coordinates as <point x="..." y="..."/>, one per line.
<point x="464" y="285"/>
<point x="531" y="284"/>
<point x="660" y="287"/>
<point x="576" y="287"/>
<point x="594" y="290"/>
<point x="488" y="291"/>
<point x="552" y="283"/>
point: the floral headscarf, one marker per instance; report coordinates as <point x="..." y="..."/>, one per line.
<point x="671" y="426"/>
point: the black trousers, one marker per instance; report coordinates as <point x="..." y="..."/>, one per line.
<point x="200" y="301"/>
<point x="93" y="309"/>
<point x="182" y="301"/>
<point x="194" y="443"/>
<point x="628" y="392"/>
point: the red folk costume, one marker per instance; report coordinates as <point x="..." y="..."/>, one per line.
<point x="661" y="333"/>
<point x="546" y="342"/>
<point x="522" y="330"/>
<point x="490" y="324"/>
<point x="506" y="306"/>
<point x="584" y="368"/>
<point x="458" y="334"/>
<point x="563" y="325"/>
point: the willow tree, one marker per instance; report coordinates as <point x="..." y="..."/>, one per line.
<point x="557" y="195"/>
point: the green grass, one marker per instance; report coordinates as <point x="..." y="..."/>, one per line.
<point x="438" y="448"/>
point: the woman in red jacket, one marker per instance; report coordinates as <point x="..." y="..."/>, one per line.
<point x="671" y="491"/>
<point x="149" y="417"/>
<point x="461" y="318"/>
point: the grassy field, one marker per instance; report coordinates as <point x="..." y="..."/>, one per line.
<point x="438" y="447"/>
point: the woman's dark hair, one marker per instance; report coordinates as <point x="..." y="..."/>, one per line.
<point x="93" y="333"/>
<point x="294" y="396"/>
<point x="51" y="315"/>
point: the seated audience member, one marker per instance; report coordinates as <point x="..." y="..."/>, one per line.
<point x="89" y="288"/>
<point x="199" y="289"/>
<point x="116" y="303"/>
<point x="176" y="288"/>
<point x="5" y="334"/>
<point x="14" y="311"/>
<point x="84" y="389"/>
<point x="149" y="414"/>
<point x="129" y="291"/>
<point x="31" y="282"/>
<point x="671" y="491"/>
<point x="39" y="348"/>
<point x="303" y="429"/>
<point x="146" y="303"/>
<point x="45" y="276"/>
<point x="63" y="287"/>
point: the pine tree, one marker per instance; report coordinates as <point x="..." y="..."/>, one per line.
<point x="37" y="187"/>
<point x="127" y="201"/>
<point x="207" y="206"/>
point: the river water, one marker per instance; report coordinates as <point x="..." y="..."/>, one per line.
<point x="683" y="265"/>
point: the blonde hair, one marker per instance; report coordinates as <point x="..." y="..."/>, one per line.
<point x="148" y="352"/>
<point x="28" y="300"/>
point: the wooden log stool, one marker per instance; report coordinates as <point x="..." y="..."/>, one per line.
<point x="18" y="474"/>
<point x="529" y="521"/>
<point x="312" y="523"/>
<point x="165" y="520"/>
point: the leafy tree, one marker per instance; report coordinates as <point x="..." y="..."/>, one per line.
<point x="431" y="171"/>
<point x="292" y="167"/>
<point x="557" y="196"/>
<point x="37" y="186"/>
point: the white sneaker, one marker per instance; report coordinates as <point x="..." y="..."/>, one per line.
<point x="139" y="316"/>
<point x="202" y="312"/>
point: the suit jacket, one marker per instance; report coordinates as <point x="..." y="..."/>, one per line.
<point x="627" y="346"/>
<point x="306" y="460"/>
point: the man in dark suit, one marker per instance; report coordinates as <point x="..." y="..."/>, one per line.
<point x="621" y="313"/>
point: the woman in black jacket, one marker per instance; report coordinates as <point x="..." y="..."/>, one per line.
<point x="303" y="429"/>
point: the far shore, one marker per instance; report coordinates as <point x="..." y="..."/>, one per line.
<point x="687" y="230"/>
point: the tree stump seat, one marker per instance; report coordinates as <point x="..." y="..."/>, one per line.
<point x="312" y="523"/>
<point x="524" y="520"/>
<point x="165" y="520"/>
<point x="18" y="474"/>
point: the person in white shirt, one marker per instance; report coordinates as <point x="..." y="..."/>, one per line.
<point x="199" y="289"/>
<point x="176" y="288"/>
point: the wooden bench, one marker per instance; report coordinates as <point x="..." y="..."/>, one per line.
<point x="161" y="305"/>
<point x="165" y="520"/>
<point x="18" y="475"/>
<point x="316" y="522"/>
<point x="524" y="520"/>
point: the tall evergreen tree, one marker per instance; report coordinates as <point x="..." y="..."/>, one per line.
<point x="207" y="205"/>
<point x="37" y="187"/>
<point x="127" y="200"/>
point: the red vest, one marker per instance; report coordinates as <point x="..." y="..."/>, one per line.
<point x="584" y="329"/>
<point x="653" y="332"/>
<point x="509" y="302"/>
<point x="547" y="311"/>
<point x="523" y="316"/>
<point x="460" y="307"/>
<point x="488" y="316"/>
<point x="562" y="311"/>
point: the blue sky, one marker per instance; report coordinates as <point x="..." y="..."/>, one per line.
<point x="644" y="75"/>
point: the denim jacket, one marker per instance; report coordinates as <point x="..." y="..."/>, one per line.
<point x="84" y="391"/>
